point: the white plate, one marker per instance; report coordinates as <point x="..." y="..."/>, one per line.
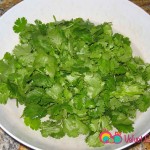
<point x="127" y="19"/>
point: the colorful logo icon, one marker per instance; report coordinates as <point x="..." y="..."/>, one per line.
<point x="106" y="137"/>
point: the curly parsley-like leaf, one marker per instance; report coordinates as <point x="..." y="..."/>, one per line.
<point x="20" y="25"/>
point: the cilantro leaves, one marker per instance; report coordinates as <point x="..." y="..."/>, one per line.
<point x="20" y="25"/>
<point x="80" y="76"/>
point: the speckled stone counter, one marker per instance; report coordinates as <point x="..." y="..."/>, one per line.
<point x="8" y="143"/>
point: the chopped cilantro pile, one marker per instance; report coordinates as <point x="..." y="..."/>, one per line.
<point x="82" y="76"/>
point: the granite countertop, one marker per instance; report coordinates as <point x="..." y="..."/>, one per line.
<point x="8" y="143"/>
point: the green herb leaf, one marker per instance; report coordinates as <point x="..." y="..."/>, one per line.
<point x="20" y="25"/>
